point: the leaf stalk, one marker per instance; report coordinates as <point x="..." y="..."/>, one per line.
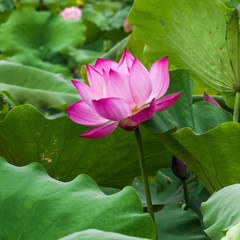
<point x="236" y="107"/>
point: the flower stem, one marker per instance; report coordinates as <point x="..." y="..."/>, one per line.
<point x="144" y="174"/>
<point x="236" y="107"/>
<point x="185" y="189"/>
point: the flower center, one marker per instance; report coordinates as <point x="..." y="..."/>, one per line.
<point x="72" y="15"/>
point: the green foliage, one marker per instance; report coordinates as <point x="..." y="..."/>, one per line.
<point x="218" y="158"/>
<point x="206" y="42"/>
<point x="93" y="234"/>
<point x="202" y="135"/>
<point x="4" y="106"/>
<point x="40" y="39"/>
<point x="233" y="232"/>
<point x="28" y="30"/>
<point x="35" y="206"/>
<point x="176" y="220"/>
<point x="54" y="143"/>
<point x="40" y="88"/>
<point x="84" y="56"/>
<point x="222" y="211"/>
<point x="6" y="6"/>
<point x="34" y="60"/>
<point x="201" y="117"/>
<point x="175" y="223"/>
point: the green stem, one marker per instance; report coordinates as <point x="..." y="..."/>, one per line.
<point x="236" y="107"/>
<point x="144" y="174"/>
<point x="185" y="189"/>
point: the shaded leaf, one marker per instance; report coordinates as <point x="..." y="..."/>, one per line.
<point x="201" y="117"/>
<point x="216" y="152"/>
<point x="40" y="88"/>
<point x="32" y="60"/>
<point x="222" y="211"/>
<point x="175" y="223"/>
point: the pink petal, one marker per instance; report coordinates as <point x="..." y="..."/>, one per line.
<point x="105" y="64"/>
<point x="140" y="85"/>
<point x="118" y="86"/>
<point x="207" y="98"/>
<point x="166" y="102"/>
<point x="81" y="113"/>
<point x="85" y="92"/>
<point x="95" y="80"/>
<point x="145" y="114"/>
<point x="159" y="76"/>
<point x="128" y="124"/>
<point x="114" y="109"/>
<point x="125" y="62"/>
<point x="100" y="131"/>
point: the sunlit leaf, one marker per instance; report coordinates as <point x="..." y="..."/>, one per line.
<point x="206" y="42"/>
<point x="36" y="206"/>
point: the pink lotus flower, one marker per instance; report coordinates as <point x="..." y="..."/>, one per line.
<point x="127" y="27"/>
<point x="71" y="13"/>
<point x="123" y="93"/>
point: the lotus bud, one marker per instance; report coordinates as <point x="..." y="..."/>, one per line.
<point x="179" y="168"/>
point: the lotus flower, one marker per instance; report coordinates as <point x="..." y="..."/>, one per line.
<point x="123" y="93"/>
<point x="71" y="13"/>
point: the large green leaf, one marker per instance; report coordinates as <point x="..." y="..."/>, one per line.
<point x="206" y="42"/>
<point x="29" y="30"/>
<point x="222" y="211"/>
<point x="40" y="88"/>
<point x="93" y="234"/>
<point x="175" y="223"/>
<point x="92" y="15"/>
<point x="200" y="116"/>
<point x="233" y="232"/>
<point x="31" y="59"/>
<point x="35" y="206"/>
<point x="216" y="152"/>
<point x="27" y="136"/>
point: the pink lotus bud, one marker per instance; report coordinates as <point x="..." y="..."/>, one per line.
<point x="179" y="168"/>
<point x="207" y="98"/>
<point x="127" y="27"/>
<point x="71" y="13"/>
<point x="123" y="94"/>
